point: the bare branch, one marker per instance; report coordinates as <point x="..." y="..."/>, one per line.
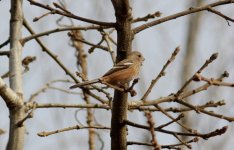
<point x="9" y="96"/>
<point x="77" y="127"/>
<point x="5" y="53"/>
<point x="173" y="97"/>
<point x="29" y="115"/>
<point x="151" y="129"/>
<point x="44" y="88"/>
<point x="180" y="14"/>
<point x="198" y="110"/>
<point x="55" y="58"/>
<point x="138" y="143"/>
<point x="162" y="73"/>
<point x="131" y="107"/>
<point x="54" y="105"/>
<point x="220" y="14"/>
<point x="70" y="15"/>
<point x="208" y="61"/>
<point x="182" y="142"/>
<point x="173" y="119"/>
<point x="172" y="146"/>
<point x="42" y="16"/>
<point x="204" y="136"/>
<point x="147" y="17"/>
<point x="46" y="33"/>
<point x="106" y="37"/>
<point x="89" y="43"/>
<point x="213" y="81"/>
<point x="175" y="109"/>
<point x="4" y="43"/>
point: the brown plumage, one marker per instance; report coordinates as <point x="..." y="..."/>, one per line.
<point x="123" y="72"/>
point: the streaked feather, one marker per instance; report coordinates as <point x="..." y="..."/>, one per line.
<point x="124" y="64"/>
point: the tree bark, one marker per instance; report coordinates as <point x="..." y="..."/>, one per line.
<point x="82" y="63"/>
<point x="192" y="33"/>
<point x="120" y="103"/>
<point x="17" y="132"/>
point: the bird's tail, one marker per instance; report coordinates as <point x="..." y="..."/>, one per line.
<point x="84" y="83"/>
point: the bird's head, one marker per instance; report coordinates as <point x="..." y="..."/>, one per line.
<point x="135" y="55"/>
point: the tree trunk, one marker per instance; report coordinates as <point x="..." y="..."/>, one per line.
<point x="16" y="136"/>
<point x="192" y="33"/>
<point x="120" y="102"/>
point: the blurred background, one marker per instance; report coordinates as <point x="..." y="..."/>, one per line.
<point x="198" y="35"/>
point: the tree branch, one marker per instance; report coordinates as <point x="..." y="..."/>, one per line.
<point x="180" y="14"/>
<point x="69" y="14"/>
<point x="220" y="14"/>
<point x="77" y="127"/>
<point x="5" y="53"/>
<point x="46" y="33"/>
<point x="9" y="96"/>
<point x="16" y="134"/>
<point x="55" y="58"/>
<point x="123" y="16"/>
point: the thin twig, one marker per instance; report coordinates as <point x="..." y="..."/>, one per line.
<point x="91" y="44"/>
<point x="77" y="127"/>
<point x="213" y="81"/>
<point x="173" y="119"/>
<point x="147" y="17"/>
<point x="198" y="109"/>
<point x="182" y="142"/>
<point x="42" y="16"/>
<point x="208" y="61"/>
<point x="4" y="43"/>
<point x="46" y="33"/>
<point x="29" y="115"/>
<point x="108" y="41"/>
<point x="171" y="146"/>
<point x="204" y="136"/>
<point x="64" y="90"/>
<point x="45" y="87"/>
<point x="220" y="14"/>
<point x="174" y="145"/>
<point x="162" y="73"/>
<point x="175" y="109"/>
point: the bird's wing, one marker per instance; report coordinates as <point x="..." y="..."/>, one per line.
<point x="124" y="64"/>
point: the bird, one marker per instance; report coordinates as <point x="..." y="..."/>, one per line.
<point x="121" y="73"/>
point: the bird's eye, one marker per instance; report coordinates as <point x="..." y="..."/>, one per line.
<point x="139" y="55"/>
